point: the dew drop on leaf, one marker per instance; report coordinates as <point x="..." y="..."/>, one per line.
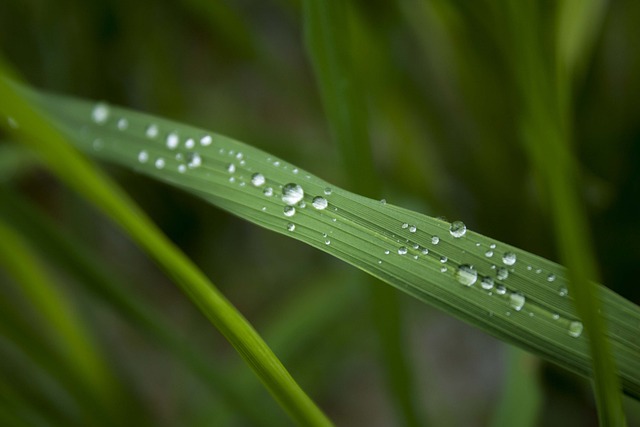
<point x="328" y="191"/>
<point x="435" y="240"/>
<point x="292" y="193"/>
<point x="268" y="191"/>
<point x="289" y="211"/>
<point x="319" y="203"/>
<point x="466" y="275"/>
<point x="502" y="274"/>
<point x="501" y="290"/>
<point x="291" y="226"/>
<point x="143" y="156"/>
<point x="159" y="163"/>
<point x="151" y="131"/>
<point x="575" y="328"/>
<point x="231" y="168"/>
<point x="194" y="160"/>
<point x="551" y="277"/>
<point x="172" y="141"/>
<point x="189" y="144"/>
<point x="516" y="301"/>
<point x="257" y="179"/>
<point x="402" y="250"/>
<point x="413" y="229"/>
<point x="509" y="258"/>
<point x="100" y="113"/>
<point x="205" y="140"/>
<point x="122" y="124"/>
<point x="486" y="283"/>
<point x="457" y="229"/>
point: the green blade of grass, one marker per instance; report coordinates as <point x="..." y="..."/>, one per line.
<point x="328" y="42"/>
<point x="527" y="304"/>
<point x="77" y="172"/>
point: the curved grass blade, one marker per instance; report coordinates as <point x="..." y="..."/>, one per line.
<point x="512" y="294"/>
<point x="77" y="172"/>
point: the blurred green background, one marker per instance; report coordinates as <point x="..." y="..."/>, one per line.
<point x="443" y="106"/>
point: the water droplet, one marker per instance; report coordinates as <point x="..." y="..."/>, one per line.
<point x="257" y="179"/>
<point x="486" y="283"/>
<point x="444" y="259"/>
<point x="502" y="274"/>
<point x="328" y="191"/>
<point x="291" y="226"/>
<point x="509" y="258"/>
<point x="302" y="205"/>
<point x="563" y="291"/>
<point x="501" y="290"/>
<point x="151" y="131"/>
<point x="289" y="211"/>
<point x="189" y="144"/>
<point x="276" y="163"/>
<point x="402" y="250"/>
<point x="319" y="203"/>
<point x="575" y="329"/>
<point x="292" y="193"/>
<point x="412" y="229"/>
<point x="268" y="191"/>
<point x="182" y="168"/>
<point x="551" y="277"/>
<point x="555" y="316"/>
<point x="327" y="242"/>
<point x="387" y="252"/>
<point x="489" y="253"/>
<point x="383" y="201"/>
<point x="239" y="156"/>
<point x="100" y="113"/>
<point x="457" y="229"/>
<point x="159" y="163"/>
<point x="194" y="160"/>
<point x="98" y="144"/>
<point x="205" y="140"/>
<point x="231" y="168"/>
<point x="435" y="240"/>
<point x="516" y="301"/>
<point x="443" y="269"/>
<point x="492" y="246"/>
<point x="143" y="156"/>
<point x="405" y="225"/>
<point x="466" y="275"/>
<point x="232" y="179"/>
<point x="172" y="141"/>
<point x="425" y="251"/>
<point x="123" y="124"/>
<point x="295" y="171"/>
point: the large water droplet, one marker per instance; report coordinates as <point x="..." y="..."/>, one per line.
<point x="100" y="113"/>
<point x="292" y="193"/>
<point x="509" y="258"/>
<point x="257" y="179"/>
<point x="466" y="275"/>
<point x="402" y="250"/>
<point x="143" y="156"/>
<point x="172" y="141"/>
<point x="516" y="301"/>
<point x="289" y="211"/>
<point x="457" y="229"/>
<point x="486" y="283"/>
<point x="151" y="131"/>
<point x="319" y="203"/>
<point x="502" y="274"/>
<point x="575" y="329"/>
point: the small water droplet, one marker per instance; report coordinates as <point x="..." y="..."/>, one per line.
<point x="466" y="275"/>
<point x="502" y="273"/>
<point x="257" y="179"/>
<point x="488" y="253"/>
<point x="516" y="301"/>
<point x="435" y="240"/>
<point x="443" y="269"/>
<point x="551" y="277"/>
<point x="425" y="251"/>
<point x="405" y="225"/>
<point x="319" y="202"/>
<point x="413" y="229"/>
<point x="268" y="191"/>
<point x="529" y="268"/>
<point x="575" y="328"/>
<point x="457" y="229"/>
<point x="327" y="242"/>
<point x="159" y="163"/>
<point x="231" y="168"/>
<point x="302" y="205"/>
<point x="189" y="144"/>
<point x="100" y="113"/>
<point x="232" y="179"/>
<point x="291" y="226"/>
<point x="276" y="163"/>
<point x="555" y="316"/>
<point x="328" y="191"/>
<point x="501" y="290"/>
<point x="289" y="211"/>
<point x="387" y="252"/>
<point x="492" y="246"/>
<point x="122" y="124"/>
<point x="182" y="168"/>
<point x="486" y="283"/>
<point x="172" y="141"/>
<point x="295" y="171"/>
<point x="444" y="259"/>
<point x="239" y="156"/>
<point x="292" y="193"/>
<point x="151" y="131"/>
<point x="206" y="140"/>
<point x="402" y="250"/>
<point x="563" y="292"/>
<point x="193" y="160"/>
<point x="383" y="201"/>
<point x="143" y="156"/>
<point x="509" y="258"/>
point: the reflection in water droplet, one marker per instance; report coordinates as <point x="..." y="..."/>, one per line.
<point x="291" y="226"/>
<point x="289" y="211"/>
<point x="292" y="193"/>
<point x="516" y="301"/>
<point x="466" y="275"/>
<point x="206" y="140"/>
<point x="457" y="229"/>
<point x="151" y="131"/>
<point x="502" y="273"/>
<point x="257" y="179"/>
<point x="268" y="191"/>
<point x="575" y="329"/>
<point x="172" y="141"/>
<point x="509" y="258"/>
<point x="435" y="240"/>
<point x="319" y="203"/>
<point x="143" y="156"/>
<point x="159" y="163"/>
<point x="486" y="283"/>
<point x="402" y="250"/>
<point x="100" y="113"/>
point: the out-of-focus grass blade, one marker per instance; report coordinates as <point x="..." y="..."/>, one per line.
<point x="508" y="292"/>
<point x="77" y="172"/>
